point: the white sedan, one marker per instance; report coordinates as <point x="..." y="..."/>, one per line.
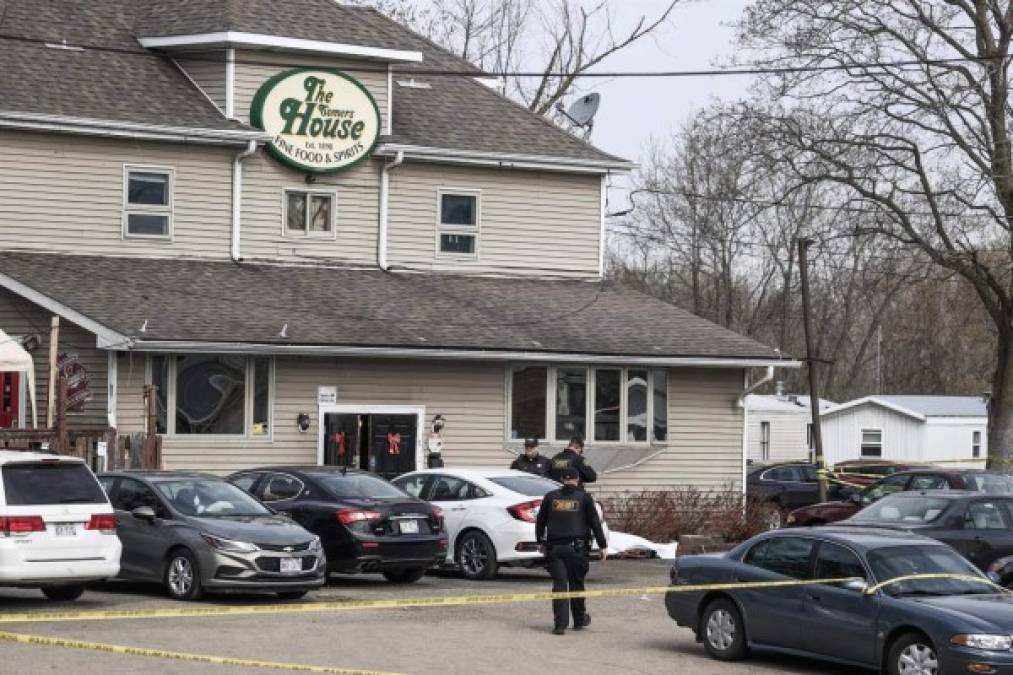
<point x="490" y="514"/>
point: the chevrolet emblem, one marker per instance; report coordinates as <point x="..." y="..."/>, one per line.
<point x="288" y="549"/>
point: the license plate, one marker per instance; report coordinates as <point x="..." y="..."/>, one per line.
<point x="64" y="529"/>
<point x="409" y="526"/>
<point x="291" y="564"/>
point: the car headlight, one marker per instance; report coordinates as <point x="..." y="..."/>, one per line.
<point x="228" y="544"/>
<point x="995" y="643"/>
<point x="315" y="544"/>
<point x="791" y="518"/>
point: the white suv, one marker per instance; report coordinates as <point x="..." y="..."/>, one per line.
<point x="57" y="528"/>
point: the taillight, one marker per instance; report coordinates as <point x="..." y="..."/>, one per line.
<point x="438" y="516"/>
<point x="11" y="525"/>
<point x="528" y="511"/>
<point x="352" y="516"/>
<point x="104" y="522"/>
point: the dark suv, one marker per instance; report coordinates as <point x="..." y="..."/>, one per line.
<point x="975" y="480"/>
<point x="364" y="523"/>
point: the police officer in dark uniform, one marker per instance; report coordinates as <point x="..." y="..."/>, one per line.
<point x="531" y="461"/>
<point x="566" y="521"/>
<point x="572" y="458"/>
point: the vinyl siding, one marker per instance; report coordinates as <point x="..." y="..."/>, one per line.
<point x="530" y="222"/>
<point x="63" y="193"/>
<point x="207" y="69"/>
<point x="787" y="435"/>
<point x="903" y="436"/>
<point x="20" y="318"/>
<point x="253" y="68"/>
<point x="703" y="449"/>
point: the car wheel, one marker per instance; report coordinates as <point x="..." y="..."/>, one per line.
<point x="182" y="577"/>
<point x="407" y="576"/>
<point x="913" y="654"/>
<point x="724" y="634"/>
<point x="772" y="516"/>
<point x="292" y="595"/>
<point x="476" y="556"/>
<point x="63" y="593"/>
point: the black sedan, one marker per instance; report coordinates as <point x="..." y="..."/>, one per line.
<point x="780" y="488"/>
<point x="194" y="533"/>
<point x="979" y="526"/>
<point x="890" y="618"/>
<point x="365" y="523"/>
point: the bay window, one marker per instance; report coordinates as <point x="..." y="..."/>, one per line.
<point x="212" y="394"/>
<point x="603" y="405"/>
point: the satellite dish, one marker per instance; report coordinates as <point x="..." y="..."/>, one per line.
<point x="582" y="111"/>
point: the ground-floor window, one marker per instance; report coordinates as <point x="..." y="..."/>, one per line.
<point x="872" y="442"/>
<point x="764" y="441"/>
<point x="606" y="404"/>
<point x="212" y="394"/>
<point x="975" y="444"/>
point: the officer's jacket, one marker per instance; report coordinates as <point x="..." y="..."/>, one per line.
<point x="568" y="459"/>
<point x="567" y="514"/>
<point x="539" y="465"/>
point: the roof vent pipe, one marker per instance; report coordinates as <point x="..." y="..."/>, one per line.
<point x="237" y="195"/>
<point x="779" y="390"/>
<point x="381" y="239"/>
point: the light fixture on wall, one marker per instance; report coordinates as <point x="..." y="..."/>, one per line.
<point x="310" y="179"/>
<point x="303" y="423"/>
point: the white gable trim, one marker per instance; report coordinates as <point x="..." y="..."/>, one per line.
<point x="874" y="401"/>
<point x="235" y="39"/>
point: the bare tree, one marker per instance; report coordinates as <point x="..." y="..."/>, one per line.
<point x="910" y="114"/>
<point x="560" y="40"/>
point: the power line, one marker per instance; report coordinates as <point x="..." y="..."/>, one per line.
<point x="451" y="72"/>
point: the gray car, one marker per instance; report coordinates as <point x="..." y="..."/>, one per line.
<point x="194" y="532"/>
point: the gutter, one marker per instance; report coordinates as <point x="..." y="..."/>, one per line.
<point x="381" y="238"/>
<point x="237" y="195"/>
<point x="197" y="347"/>
<point x="506" y="160"/>
<point x="117" y="129"/>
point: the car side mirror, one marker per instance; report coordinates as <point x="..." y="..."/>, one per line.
<point x="144" y="513"/>
<point x="856" y="585"/>
<point x="855" y="497"/>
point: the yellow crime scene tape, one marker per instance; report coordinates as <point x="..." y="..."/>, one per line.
<point x="917" y="577"/>
<point x="122" y="650"/>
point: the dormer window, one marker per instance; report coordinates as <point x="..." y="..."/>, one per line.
<point x="458" y="223"/>
<point x="147" y="202"/>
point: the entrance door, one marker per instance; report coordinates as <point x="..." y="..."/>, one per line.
<point x="392" y="446"/>
<point x="341" y="439"/>
<point x="10" y="398"/>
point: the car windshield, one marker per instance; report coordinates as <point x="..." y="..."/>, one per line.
<point x="35" y="484"/>
<point x="989" y="483"/>
<point x="210" y="498"/>
<point x="357" y="485"/>
<point x="531" y="486"/>
<point x="902" y="510"/>
<point x="901" y="561"/>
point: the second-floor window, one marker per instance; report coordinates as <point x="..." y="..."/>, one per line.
<point x="458" y="221"/>
<point x="309" y="214"/>
<point x="147" y="202"/>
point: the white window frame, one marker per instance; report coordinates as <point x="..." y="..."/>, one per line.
<point x="861" y="442"/>
<point x="976" y="437"/>
<point x="247" y="435"/>
<point x="129" y="209"/>
<point x="551" y="381"/>
<point x="306" y="234"/>
<point x="472" y="230"/>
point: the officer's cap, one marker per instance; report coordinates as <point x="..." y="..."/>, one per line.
<point x="530" y="442"/>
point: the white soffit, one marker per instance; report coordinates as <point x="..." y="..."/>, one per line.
<point x="259" y="41"/>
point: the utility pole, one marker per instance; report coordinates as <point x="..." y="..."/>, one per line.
<point x="810" y="359"/>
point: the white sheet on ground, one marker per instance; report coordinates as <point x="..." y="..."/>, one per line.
<point x="620" y="542"/>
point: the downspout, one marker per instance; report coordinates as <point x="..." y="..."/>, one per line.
<point x="746" y="391"/>
<point x="381" y="243"/>
<point x="237" y="195"/>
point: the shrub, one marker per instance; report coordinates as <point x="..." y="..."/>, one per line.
<point x="666" y="516"/>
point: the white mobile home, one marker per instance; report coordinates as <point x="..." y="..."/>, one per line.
<point x="779" y="427"/>
<point x="907" y="428"/>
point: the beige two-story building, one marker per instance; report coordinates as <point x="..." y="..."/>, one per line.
<point x="315" y="232"/>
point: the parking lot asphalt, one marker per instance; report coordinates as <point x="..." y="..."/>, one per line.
<point x="627" y="635"/>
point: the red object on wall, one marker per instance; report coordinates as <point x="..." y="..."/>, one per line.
<point x="394" y="443"/>
<point x="9" y="397"/>
<point x="341" y="442"/>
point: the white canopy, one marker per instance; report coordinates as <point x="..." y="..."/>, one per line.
<point x="13" y="358"/>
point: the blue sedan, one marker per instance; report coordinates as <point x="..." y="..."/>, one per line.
<point x="881" y="619"/>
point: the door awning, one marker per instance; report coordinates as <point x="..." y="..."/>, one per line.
<point x="14" y="358"/>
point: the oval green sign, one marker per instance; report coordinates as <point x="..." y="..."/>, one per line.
<point x="321" y="120"/>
